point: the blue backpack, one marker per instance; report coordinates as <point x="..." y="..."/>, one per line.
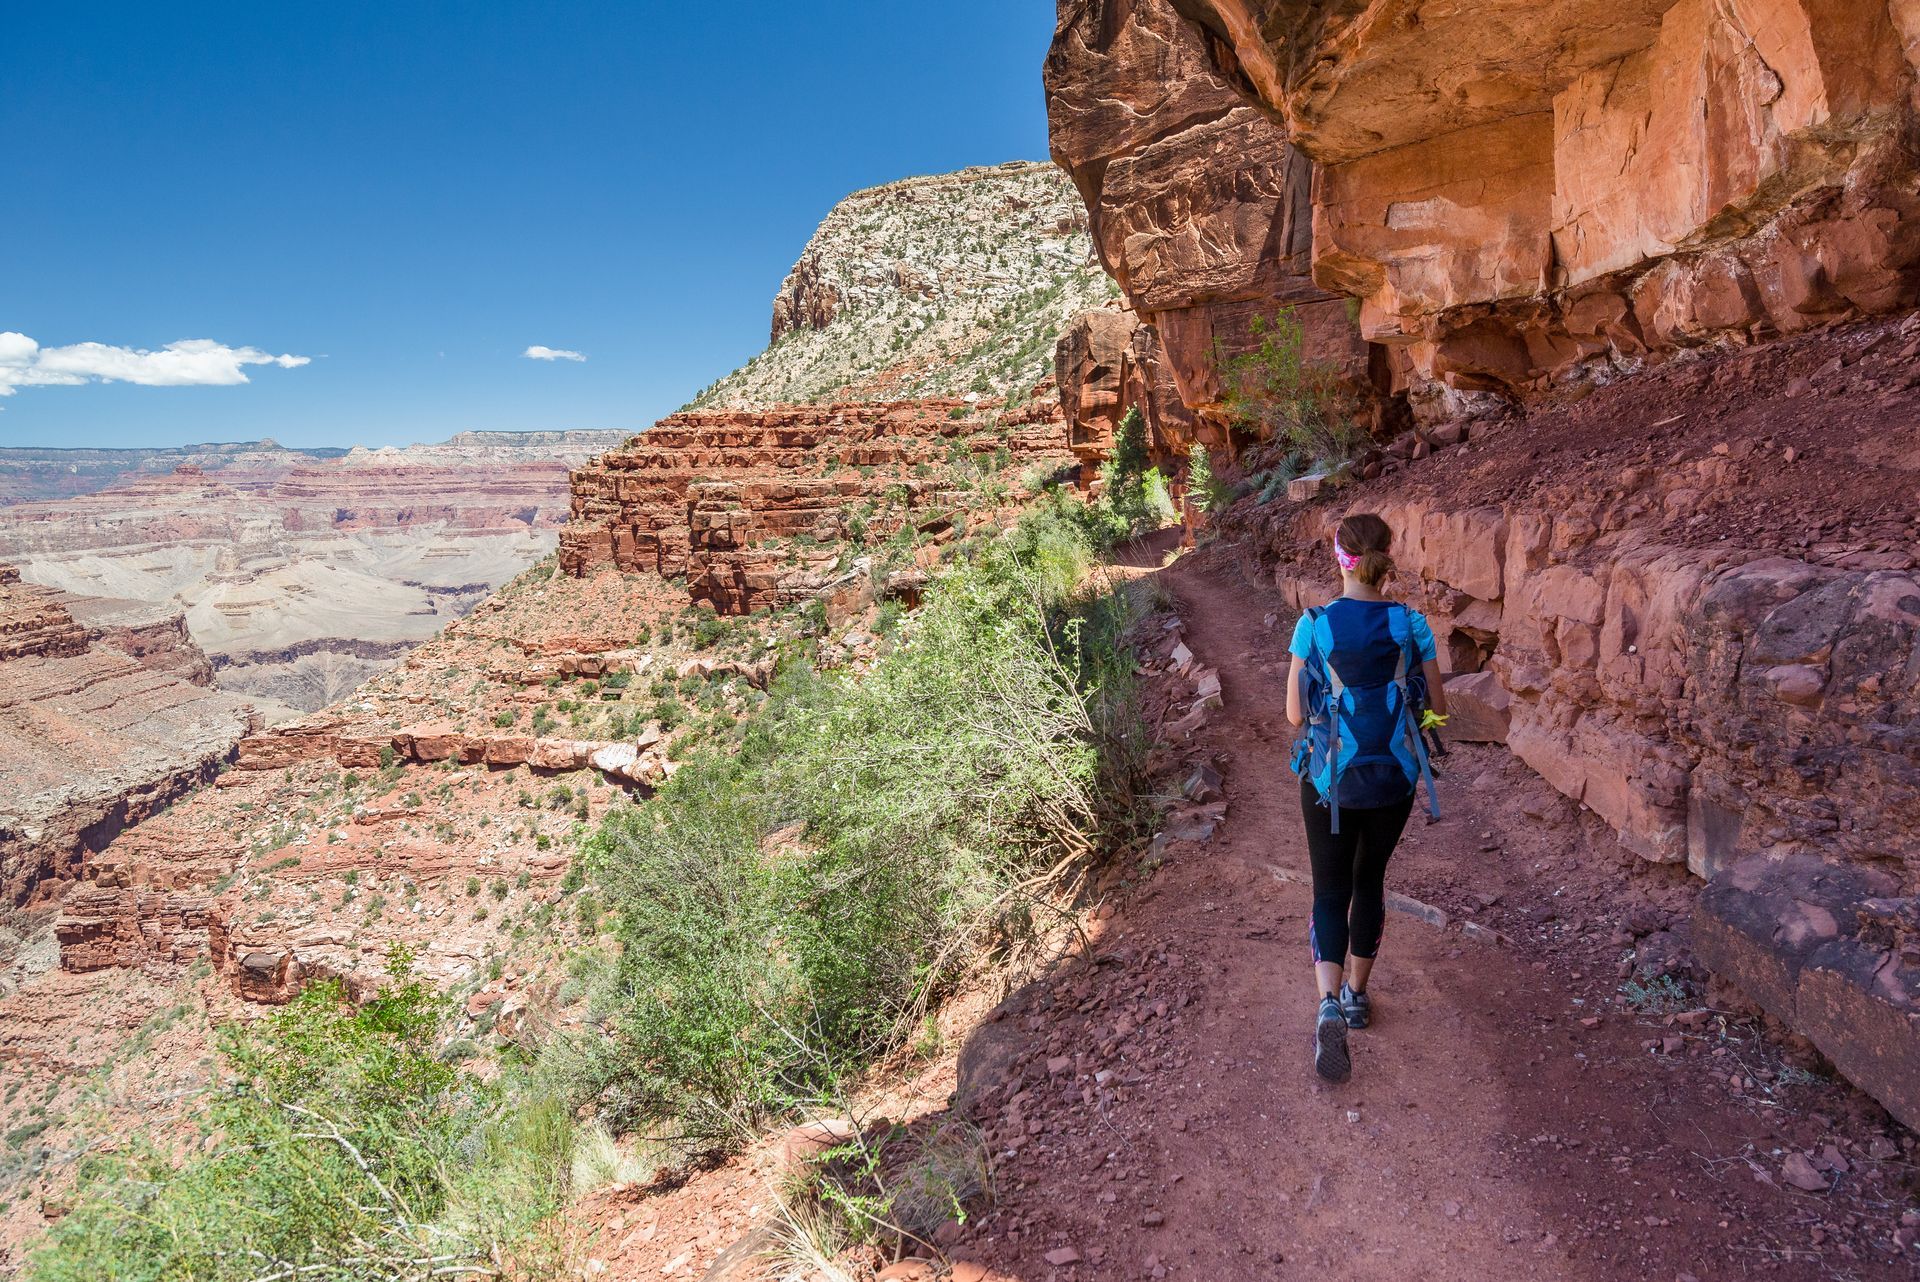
<point x="1364" y="692"/>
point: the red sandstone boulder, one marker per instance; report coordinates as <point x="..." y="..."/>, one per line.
<point x="509" y="750"/>
<point x="432" y="743"/>
<point x="1479" y="709"/>
<point x="1089" y="366"/>
<point x="1826" y="949"/>
<point x="558" y="754"/>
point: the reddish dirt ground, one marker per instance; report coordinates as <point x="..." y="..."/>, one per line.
<point x="1487" y="1130"/>
<point x="1817" y="430"/>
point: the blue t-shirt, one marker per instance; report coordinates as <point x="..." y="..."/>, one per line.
<point x="1378" y="647"/>
<point x="1368" y="639"/>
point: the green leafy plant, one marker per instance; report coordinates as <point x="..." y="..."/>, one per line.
<point x="1134" y="496"/>
<point x="789" y="909"/>
<point x="340" y="1146"/>
<point x="1275" y="391"/>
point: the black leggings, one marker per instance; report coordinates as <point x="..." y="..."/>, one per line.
<point x="1349" y="874"/>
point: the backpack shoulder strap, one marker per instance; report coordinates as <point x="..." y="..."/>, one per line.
<point x="1409" y="664"/>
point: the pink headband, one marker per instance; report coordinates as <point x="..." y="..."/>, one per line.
<point x="1347" y="560"/>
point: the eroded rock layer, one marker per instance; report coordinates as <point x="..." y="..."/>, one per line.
<point x="759" y="509"/>
<point x="302" y="575"/>
<point x="1199" y="207"/>
<point x="1521" y="195"/>
<point x="97" y="731"/>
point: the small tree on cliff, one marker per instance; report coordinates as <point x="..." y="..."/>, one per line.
<point x="1135" y="493"/>
<point x="1274" y="391"/>
<point x="1130" y="446"/>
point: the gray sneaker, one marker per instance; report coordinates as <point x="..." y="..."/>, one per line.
<point x="1330" y="1058"/>
<point x="1356" y="1007"/>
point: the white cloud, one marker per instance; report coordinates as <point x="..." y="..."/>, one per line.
<point x="192" y="362"/>
<point x="539" y="353"/>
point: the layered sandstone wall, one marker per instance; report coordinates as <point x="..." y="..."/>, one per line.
<point x="758" y="509"/>
<point x="1199" y="207"/>
<point x="1527" y="195"/>
<point x="35" y="622"/>
<point x="1202" y="213"/>
<point x="98" y="730"/>
<point x="1705" y="704"/>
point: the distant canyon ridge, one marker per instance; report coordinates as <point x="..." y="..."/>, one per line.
<point x="300" y="573"/>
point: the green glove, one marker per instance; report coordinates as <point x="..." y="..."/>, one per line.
<point x="1431" y="720"/>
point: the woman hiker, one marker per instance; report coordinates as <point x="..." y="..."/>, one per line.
<point x="1366" y="683"/>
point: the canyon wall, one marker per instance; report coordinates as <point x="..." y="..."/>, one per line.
<point x="1527" y="196"/>
<point x="99" y="728"/>
<point x="760" y="509"/>
<point x="1199" y="207"/>
<point x="301" y="575"/>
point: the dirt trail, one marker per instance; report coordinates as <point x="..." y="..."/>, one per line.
<point x="1486" y="1131"/>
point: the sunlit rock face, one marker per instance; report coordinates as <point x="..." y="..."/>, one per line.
<point x="1198" y="205"/>
<point x="1521" y="194"/>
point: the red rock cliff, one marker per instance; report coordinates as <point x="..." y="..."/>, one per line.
<point x="755" y="508"/>
<point x="1521" y="196"/>
<point x="1199" y="207"/>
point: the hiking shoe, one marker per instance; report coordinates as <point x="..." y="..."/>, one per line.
<point x="1330" y="1058"/>
<point x="1356" y="1007"/>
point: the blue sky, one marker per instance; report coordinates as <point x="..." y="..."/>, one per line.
<point x="412" y="194"/>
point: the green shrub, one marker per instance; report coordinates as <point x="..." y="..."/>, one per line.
<point x="1134" y="497"/>
<point x="709" y="630"/>
<point x="787" y="911"/>
<point x="1210" y="493"/>
<point x="1274" y="390"/>
<point x="342" y="1145"/>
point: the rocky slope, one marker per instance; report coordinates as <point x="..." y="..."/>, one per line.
<point x="100" y="727"/>
<point x="925" y="288"/>
<point x="302" y="576"/>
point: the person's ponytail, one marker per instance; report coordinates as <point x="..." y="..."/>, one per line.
<point x="1366" y="538"/>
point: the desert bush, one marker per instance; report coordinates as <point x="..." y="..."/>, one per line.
<point x="1274" y="390"/>
<point x="1210" y="493"/>
<point x="342" y="1145"/>
<point x="890" y="1185"/>
<point x="788" y="911"/>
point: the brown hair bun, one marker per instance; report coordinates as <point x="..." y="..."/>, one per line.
<point x="1366" y="538"/>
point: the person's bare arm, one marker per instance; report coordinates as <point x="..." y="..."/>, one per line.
<point x="1295" y="712"/>
<point x="1436" y="687"/>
